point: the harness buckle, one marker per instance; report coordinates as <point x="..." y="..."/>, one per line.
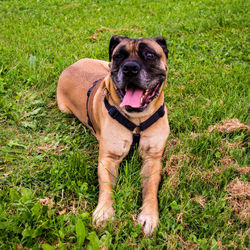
<point x="137" y="130"/>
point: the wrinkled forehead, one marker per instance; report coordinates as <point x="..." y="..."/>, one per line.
<point x="133" y="45"/>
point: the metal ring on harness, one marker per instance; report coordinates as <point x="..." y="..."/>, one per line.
<point x="103" y="92"/>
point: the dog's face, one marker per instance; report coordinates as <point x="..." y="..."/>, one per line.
<point x="138" y="70"/>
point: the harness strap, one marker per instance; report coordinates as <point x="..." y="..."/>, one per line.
<point x="115" y="114"/>
<point x="87" y="103"/>
<point x="135" y="143"/>
<point x="152" y="119"/>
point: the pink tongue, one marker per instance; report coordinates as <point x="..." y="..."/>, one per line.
<point x="132" y="98"/>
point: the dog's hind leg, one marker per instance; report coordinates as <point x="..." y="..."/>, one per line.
<point x="62" y="106"/>
<point x="61" y="94"/>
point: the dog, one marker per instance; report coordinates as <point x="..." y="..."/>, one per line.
<point x="122" y="103"/>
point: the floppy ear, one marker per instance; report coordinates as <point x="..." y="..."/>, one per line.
<point x="114" y="41"/>
<point x="162" y="42"/>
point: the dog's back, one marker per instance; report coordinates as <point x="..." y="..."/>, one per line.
<point x="74" y="83"/>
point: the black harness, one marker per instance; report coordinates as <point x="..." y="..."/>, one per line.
<point x="115" y="114"/>
<point x="87" y="103"/>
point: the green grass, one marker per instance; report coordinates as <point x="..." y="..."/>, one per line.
<point x="46" y="154"/>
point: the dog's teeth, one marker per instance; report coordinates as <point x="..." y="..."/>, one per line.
<point x="147" y="92"/>
<point x="141" y="100"/>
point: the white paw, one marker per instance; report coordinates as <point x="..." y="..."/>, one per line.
<point x="103" y="213"/>
<point x="149" y="222"/>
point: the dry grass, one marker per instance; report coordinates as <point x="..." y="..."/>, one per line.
<point x="201" y="200"/>
<point x="227" y="161"/>
<point x="239" y="198"/>
<point x="174" y="164"/>
<point x="194" y="135"/>
<point x="47" y="202"/>
<point x="172" y="167"/>
<point x="243" y="170"/>
<point x="103" y="29"/>
<point x="228" y="126"/>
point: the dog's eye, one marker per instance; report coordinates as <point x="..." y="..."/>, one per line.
<point x="118" y="56"/>
<point x="150" y="55"/>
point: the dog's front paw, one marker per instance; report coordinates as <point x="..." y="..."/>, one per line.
<point x="148" y="221"/>
<point x="102" y="214"/>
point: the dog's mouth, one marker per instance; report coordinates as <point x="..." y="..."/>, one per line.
<point x="135" y="99"/>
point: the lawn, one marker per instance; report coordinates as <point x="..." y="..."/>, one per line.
<point x="48" y="160"/>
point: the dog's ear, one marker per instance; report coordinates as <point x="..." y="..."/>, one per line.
<point x="162" y="42"/>
<point x="114" y="41"/>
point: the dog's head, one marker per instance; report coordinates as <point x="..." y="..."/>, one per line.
<point x="138" y="69"/>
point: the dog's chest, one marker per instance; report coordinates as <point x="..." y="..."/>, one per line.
<point x="116" y="141"/>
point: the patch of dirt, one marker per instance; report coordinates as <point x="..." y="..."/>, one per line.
<point x="196" y="120"/>
<point x="172" y="143"/>
<point x="228" y="126"/>
<point x="171" y="146"/>
<point x="207" y="175"/>
<point x="134" y="218"/>
<point x="239" y="198"/>
<point x="174" y="164"/>
<point x="5" y="175"/>
<point x="227" y="161"/>
<point x="56" y="149"/>
<point x="201" y="200"/>
<point x="188" y="244"/>
<point x="52" y="103"/>
<point x="93" y="37"/>
<point x="243" y="170"/>
<point x="179" y="217"/>
<point x="194" y="135"/>
<point x="173" y="180"/>
<point x="241" y="208"/>
<point x="233" y="145"/>
<point x="46" y="147"/>
<point x="71" y="5"/>
<point x="238" y="188"/>
<point x="177" y="74"/>
<point x="102" y="29"/>
<point x="71" y="206"/>
<point x="172" y="168"/>
<point x="62" y="211"/>
<point x="47" y="202"/>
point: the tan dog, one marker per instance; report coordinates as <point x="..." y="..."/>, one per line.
<point x="133" y="84"/>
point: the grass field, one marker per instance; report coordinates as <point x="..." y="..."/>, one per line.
<point x="48" y="160"/>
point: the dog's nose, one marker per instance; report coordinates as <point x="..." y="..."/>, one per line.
<point x="131" y="68"/>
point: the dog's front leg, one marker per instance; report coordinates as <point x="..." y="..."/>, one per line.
<point x="151" y="177"/>
<point x="107" y="173"/>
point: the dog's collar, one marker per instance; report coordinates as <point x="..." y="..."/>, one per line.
<point x="118" y="116"/>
